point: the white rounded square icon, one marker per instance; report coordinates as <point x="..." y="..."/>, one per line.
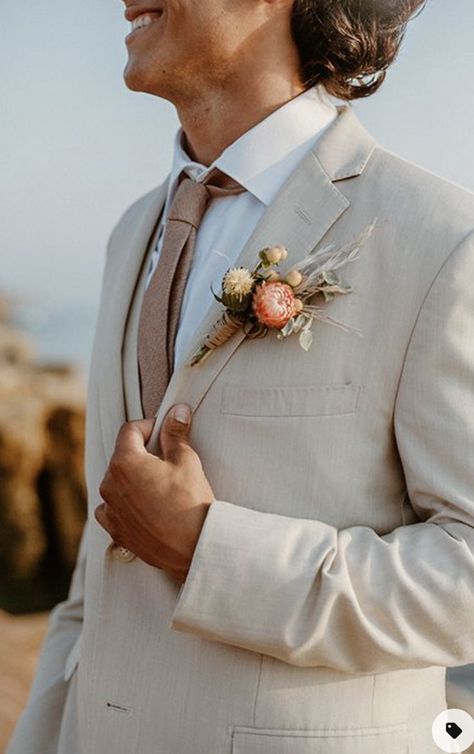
<point x="453" y="731"/>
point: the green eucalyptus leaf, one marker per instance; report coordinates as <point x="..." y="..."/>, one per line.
<point x="344" y="289"/>
<point x="300" y="320"/>
<point x="330" y="277"/>
<point x="289" y="327"/>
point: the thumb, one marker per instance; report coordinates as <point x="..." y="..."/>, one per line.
<point x="174" y="431"/>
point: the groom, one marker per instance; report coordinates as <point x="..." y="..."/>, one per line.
<point x="282" y="562"/>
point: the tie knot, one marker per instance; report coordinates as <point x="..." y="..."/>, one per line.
<point x="221" y="184"/>
<point x="191" y="198"/>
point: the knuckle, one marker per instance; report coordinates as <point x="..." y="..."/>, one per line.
<point x="99" y="514"/>
<point x="123" y="432"/>
<point x="103" y="489"/>
<point x="117" y="464"/>
<point x="106" y="520"/>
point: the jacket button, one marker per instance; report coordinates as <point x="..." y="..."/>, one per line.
<point x="122" y="554"/>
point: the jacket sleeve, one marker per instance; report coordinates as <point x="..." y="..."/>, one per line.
<point x="311" y="595"/>
<point x="38" y="728"/>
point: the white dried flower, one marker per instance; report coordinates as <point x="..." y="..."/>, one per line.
<point x="238" y="281"/>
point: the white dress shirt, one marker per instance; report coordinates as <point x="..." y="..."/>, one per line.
<point x="261" y="160"/>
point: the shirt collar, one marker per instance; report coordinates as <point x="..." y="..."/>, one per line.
<point x="265" y="156"/>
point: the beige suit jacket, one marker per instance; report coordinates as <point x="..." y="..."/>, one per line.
<point x="333" y="579"/>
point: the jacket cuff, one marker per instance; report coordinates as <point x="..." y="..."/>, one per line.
<point x="239" y="565"/>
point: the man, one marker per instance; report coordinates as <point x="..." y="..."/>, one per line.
<point x="288" y="569"/>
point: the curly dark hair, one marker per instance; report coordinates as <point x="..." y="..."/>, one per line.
<point x="347" y="45"/>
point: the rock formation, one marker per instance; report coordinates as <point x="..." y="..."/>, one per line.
<point x="42" y="489"/>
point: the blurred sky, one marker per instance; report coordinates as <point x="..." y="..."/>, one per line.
<point x="77" y="147"/>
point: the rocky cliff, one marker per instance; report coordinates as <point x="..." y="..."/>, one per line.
<point x="42" y="489"/>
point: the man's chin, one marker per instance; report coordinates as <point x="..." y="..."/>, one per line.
<point x="137" y="79"/>
<point x="133" y="78"/>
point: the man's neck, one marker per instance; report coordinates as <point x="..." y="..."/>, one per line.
<point x="217" y="119"/>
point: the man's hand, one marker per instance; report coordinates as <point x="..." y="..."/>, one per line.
<point x="153" y="506"/>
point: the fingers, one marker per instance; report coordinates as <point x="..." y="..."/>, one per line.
<point x="101" y="517"/>
<point x="133" y="436"/>
<point x="105" y="518"/>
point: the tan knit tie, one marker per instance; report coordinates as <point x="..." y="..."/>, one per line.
<point x="159" y="317"/>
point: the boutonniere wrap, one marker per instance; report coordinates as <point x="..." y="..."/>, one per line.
<point x="264" y="299"/>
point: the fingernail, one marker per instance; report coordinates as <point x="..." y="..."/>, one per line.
<point x="182" y="413"/>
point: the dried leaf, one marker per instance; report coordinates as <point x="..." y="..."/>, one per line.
<point x="288" y="328"/>
<point x="330" y="277"/>
<point x="306" y="338"/>
<point x="343" y="289"/>
<point x="299" y="322"/>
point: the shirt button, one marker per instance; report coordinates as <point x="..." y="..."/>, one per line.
<point x="122" y="554"/>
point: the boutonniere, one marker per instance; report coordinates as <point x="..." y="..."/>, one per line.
<point x="263" y="299"/>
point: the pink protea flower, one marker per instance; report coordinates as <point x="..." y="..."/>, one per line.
<point x="273" y="304"/>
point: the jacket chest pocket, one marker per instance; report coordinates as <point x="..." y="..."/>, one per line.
<point x="389" y="740"/>
<point x="290" y="400"/>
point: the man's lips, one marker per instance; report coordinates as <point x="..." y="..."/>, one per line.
<point x="133" y="11"/>
<point x="142" y="21"/>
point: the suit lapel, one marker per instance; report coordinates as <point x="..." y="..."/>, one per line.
<point x="124" y="264"/>
<point x="131" y="377"/>
<point x="300" y="216"/>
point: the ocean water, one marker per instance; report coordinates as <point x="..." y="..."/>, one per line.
<point x="62" y="335"/>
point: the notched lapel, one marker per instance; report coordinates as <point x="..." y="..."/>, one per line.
<point x="126" y="255"/>
<point x="304" y="210"/>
